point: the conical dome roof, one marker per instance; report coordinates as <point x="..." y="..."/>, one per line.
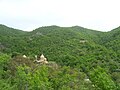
<point x="42" y="56"/>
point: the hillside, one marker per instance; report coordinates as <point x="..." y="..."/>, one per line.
<point x="75" y="47"/>
<point x="7" y="31"/>
<point x="112" y="40"/>
<point x="61" y="43"/>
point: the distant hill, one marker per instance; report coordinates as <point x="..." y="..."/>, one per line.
<point x="4" y="30"/>
<point x="112" y="40"/>
<point x="78" y="59"/>
<point x="66" y="45"/>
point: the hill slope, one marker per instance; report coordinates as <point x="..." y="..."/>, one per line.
<point x="82" y="51"/>
<point x="65" y="45"/>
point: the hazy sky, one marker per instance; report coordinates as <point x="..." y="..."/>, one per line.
<point x="101" y="15"/>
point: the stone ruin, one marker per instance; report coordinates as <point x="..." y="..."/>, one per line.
<point x="41" y="59"/>
<point x="83" y="41"/>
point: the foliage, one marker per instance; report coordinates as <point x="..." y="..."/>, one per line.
<point x="102" y="80"/>
<point x="77" y="51"/>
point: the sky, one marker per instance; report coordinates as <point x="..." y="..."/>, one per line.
<point x="27" y="15"/>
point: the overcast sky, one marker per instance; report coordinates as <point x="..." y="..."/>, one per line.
<point x="27" y="15"/>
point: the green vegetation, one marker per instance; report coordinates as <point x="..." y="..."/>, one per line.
<point x="86" y="59"/>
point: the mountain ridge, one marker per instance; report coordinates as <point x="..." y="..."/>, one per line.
<point x="53" y="34"/>
<point x="92" y="53"/>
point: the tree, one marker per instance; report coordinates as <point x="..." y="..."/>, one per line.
<point x="102" y="80"/>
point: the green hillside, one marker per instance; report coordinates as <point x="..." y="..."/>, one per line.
<point x="86" y="52"/>
<point x="113" y="40"/>
<point x="7" y="31"/>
